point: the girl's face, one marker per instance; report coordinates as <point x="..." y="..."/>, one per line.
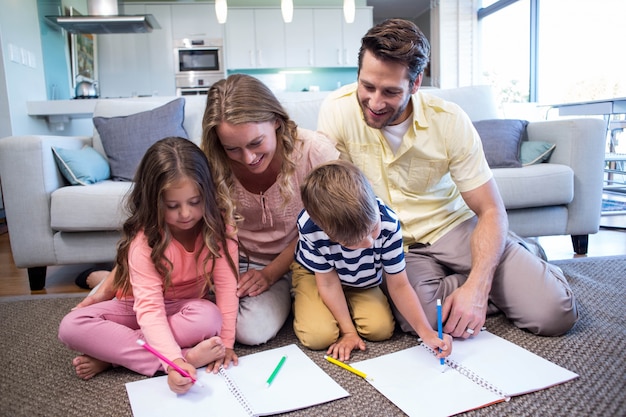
<point x="183" y="206"/>
<point x="251" y="145"/>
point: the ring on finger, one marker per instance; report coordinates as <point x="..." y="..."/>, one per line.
<point x="470" y="331"/>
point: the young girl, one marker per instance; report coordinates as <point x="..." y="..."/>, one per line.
<point x="176" y="248"/>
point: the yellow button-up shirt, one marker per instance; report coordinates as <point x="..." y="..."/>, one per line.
<point x="440" y="156"/>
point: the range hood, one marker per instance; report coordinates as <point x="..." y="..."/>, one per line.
<point x="104" y="18"/>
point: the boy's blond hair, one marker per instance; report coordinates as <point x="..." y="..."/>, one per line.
<point x="340" y="200"/>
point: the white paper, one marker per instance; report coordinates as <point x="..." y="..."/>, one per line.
<point x="300" y="383"/>
<point x="413" y="379"/>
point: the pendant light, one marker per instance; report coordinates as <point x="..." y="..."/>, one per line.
<point x="286" y="7"/>
<point x="221" y="10"/>
<point x="348" y="10"/>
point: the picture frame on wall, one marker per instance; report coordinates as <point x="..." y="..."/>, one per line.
<point x="83" y="52"/>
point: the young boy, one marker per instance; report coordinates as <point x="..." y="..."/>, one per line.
<point x="351" y="241"/>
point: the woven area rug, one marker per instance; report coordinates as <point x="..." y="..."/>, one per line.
<point x="37" y="378"/>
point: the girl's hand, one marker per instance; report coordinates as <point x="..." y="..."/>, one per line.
<point x="432" y="340"/>
<point x="344" y="345"/>
<point x="178" y="383"/>
<point x="253" y="282"/>
<point x="229" y="357"/>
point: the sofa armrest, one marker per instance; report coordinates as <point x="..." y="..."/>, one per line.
<point x="29" y="175"/>
<point x="580" y="144"/>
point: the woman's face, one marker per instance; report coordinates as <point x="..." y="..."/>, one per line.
<point x="251" y="145"/>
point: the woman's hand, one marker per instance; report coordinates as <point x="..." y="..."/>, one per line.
<point x="178" y="383"/>
<point x="253" y="282"/>
<point x="342" y="348"/>
<point x="229" y="357"/>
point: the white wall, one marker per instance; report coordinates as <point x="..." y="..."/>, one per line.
<point x="23" y="81"/>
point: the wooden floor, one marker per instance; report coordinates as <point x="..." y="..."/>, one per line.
<point x="60" y="279"/>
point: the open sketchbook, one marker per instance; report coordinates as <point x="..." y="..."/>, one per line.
<point x="241" y="390"/>
<point x="481" y="371"/>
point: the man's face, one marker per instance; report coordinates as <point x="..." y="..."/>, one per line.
<point x="383" y="92"/>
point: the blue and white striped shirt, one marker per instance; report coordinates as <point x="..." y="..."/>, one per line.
<point x="360" y="268"/>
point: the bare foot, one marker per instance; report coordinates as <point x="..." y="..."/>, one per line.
<point x="88" y="367"/>
<point x="96" y="277"/>
<point x="206" y="352"/>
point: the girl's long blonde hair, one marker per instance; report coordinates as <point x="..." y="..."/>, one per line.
<point x="165" y="163"/>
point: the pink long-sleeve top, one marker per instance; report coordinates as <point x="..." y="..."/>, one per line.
<point x="187" y="282"/>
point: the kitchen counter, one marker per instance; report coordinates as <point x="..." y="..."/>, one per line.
<point x="59" y="112"/>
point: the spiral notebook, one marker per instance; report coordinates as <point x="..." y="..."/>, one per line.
<point x="241" y="390"/>
<point x="481" y="371"/>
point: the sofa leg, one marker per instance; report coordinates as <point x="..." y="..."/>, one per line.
<point x="37" y="278"/>
<point x="580" y="243"/>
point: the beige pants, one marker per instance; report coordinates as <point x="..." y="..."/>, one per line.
<point x="532" y="293"/>
<point x="314" y="324"/>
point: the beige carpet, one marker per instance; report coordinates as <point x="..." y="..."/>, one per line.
<point x="36" y="377"/>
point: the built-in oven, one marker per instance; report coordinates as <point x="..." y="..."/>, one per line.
<point x="199" y="63"/>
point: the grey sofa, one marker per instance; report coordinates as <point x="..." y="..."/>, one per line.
<point x="53" y="223"/>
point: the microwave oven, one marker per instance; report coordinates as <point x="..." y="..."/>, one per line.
<point x="198" y="62"/>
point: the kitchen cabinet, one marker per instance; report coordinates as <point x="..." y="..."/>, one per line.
<point x="316" y="37"/>
<point x="196" y="21"/>
<point x="255" y="38"/>
<point x="300" y="39"/>
<point x="138" y="63"/>
<point x="337" y="43"/>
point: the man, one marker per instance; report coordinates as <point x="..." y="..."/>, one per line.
<point x="425" y="160"/>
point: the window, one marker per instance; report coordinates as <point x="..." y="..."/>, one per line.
<point x="579" y="54"/>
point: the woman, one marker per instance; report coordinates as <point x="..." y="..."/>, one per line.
<point x="259" y="157"/>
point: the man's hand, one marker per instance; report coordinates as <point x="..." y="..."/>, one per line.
<point x="465" y="308"/>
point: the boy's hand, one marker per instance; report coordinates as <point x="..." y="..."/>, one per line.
<point x="344" y="345"/>
<point x="178" y="383"/>
<point x="432" y="340"/>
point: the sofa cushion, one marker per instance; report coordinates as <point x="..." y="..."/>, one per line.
<point x="535" y="185"/>
<point x="97" y="207"/>
<point x="535" y="152"/>
<point x="81" y="166"/>
<point x="126" y="139"/>
<point x="501" y="139"/>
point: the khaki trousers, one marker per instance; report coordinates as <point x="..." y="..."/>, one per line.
<point x="314" y="324"/>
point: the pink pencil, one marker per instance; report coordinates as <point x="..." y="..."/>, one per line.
<point x="167" y="361"/>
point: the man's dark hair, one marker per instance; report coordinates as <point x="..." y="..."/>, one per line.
<point x="400" y="41"/>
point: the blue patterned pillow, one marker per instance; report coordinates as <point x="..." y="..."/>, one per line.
<point x="82" y="167"/>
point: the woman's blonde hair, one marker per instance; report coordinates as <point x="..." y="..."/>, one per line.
<point x="242" y="99"/>
<point x="166" y="163"/>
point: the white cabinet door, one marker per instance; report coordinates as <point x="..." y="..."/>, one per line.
<point x="255" y="38"/>
<point x="336" y="42"/>
<point x="328" y="37"/>
<point x="352" y="34"/>
<point x="300" y="39"/>
<point x="195" y="21"/>
<point x="269" y="29"/>
<point x="240" y="46"/>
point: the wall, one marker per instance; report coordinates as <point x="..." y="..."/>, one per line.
<point x="23" y="80"/>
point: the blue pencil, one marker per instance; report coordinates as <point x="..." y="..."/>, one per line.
<point x="440" y="327"/>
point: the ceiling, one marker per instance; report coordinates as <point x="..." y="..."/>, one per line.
<point x="408" y="9"/>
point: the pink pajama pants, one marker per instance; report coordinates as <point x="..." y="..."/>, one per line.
<point x="108" y="331"/>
